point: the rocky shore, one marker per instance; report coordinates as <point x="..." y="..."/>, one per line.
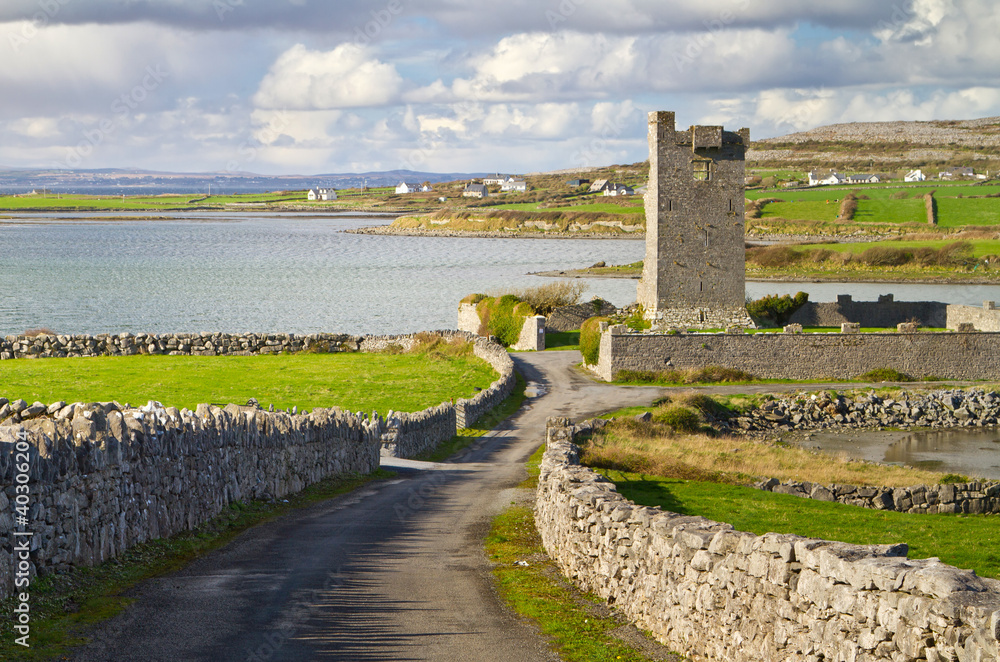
<point x="388" y="230"/>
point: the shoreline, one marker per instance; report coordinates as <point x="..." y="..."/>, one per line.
<point x="584" y="273"/>
<point x="389" y="231"/>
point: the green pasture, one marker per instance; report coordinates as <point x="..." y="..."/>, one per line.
<point x="356" y="382"/>
<point x="980" y="247"/>
<point x="944" y="536"/>
<point x="811" y="210"/>
<point x="910" y="210"/>
<point x="957" y="212"/>
<point x="600" y="207"/>
<point x="876" y="191"/>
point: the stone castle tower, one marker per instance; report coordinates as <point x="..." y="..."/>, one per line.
<point x="695" y="253"/>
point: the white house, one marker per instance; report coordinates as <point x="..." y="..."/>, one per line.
<point x="405" y="188"/>
<point x="818" y="179"/>
<point x="514" y="186"/>
<point x="322" y="194"/>
<point x="617" y="190"/>
<point x="599" y="186"/>
<point x="496" y="180"/>
<point x="915" y="176"/>
<point x="863" y="179"/>
<point x="956" y="173"/>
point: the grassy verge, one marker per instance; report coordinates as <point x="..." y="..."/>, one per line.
<point x="580" y="628"/>
<point x="64" y="607"/>
<point x="358" y="382"/>
<point x="481" y="427"/>
<point x="944" y="536"/>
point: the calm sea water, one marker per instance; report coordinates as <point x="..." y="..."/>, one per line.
<point x="301" y="274"/>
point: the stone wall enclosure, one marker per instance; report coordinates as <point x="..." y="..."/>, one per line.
<point x="715" y="593"/>
<point x="103" y="477"/>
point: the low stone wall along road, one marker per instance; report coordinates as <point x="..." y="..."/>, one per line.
<point x="395" y="571"/>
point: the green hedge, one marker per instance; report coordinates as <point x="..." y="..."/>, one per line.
<point x="503" y="318"/>
<point x="590" y="339"/>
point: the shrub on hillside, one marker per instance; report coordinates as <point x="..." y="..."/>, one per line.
<point x="679" y="417"/>
<point x="590" y="339"/>
<point x="773" y="310"/>
<point x="503" y="317"/>
<point x="773" y="256"/>
<point x="546" y="298"/>
<point x="885" y="256"/>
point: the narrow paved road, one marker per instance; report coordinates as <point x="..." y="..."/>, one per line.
<point x="394" y="571"/>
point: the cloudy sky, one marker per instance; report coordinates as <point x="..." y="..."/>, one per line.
<point x="314" y="86"/>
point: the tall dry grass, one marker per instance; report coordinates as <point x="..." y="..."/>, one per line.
<point x="546" y="298"/>
<point x="657" y="448"/>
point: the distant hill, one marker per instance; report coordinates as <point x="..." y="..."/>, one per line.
<point x="130" y="180"/>
<point x="885" y="146"/>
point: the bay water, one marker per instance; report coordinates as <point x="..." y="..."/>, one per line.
<point x="265" y="272"/>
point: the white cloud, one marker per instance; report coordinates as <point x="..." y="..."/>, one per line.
<point x="346" y="77"/>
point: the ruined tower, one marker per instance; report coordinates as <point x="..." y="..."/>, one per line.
<point x="695" y="264"/>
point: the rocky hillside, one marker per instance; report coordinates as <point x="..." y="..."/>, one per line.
<point x="885" y="146"/>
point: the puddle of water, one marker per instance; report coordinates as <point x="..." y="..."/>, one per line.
<point x="970" y="452"/>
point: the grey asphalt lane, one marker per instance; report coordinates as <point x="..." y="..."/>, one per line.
<point x="393" y="571"/>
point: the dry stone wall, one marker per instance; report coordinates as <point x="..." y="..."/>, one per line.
<point x="718" y="594"/>
<point x="103" y="478"/>
<point x="413" y="434"/>
<point x="173" y="344"/>
<point x="972" y="498"/>
<point x="970" y="356"/>
<point x="571" y="318"/>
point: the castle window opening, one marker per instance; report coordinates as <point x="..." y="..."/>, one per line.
<point x="703" y="169"/>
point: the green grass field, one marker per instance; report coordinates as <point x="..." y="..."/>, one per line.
<point x="747" y="509"/>
<point x="601" y="207"/>
<point x="957" y="212"/>
<point x="911" y="210"/>
<point x="159" y="202"/>
<point x="959" y="205"/>
<point x="803" y="211"/>
<point x="980" y="247"/>
<point x="912" y="190"/>
<point x="356" y="382"/>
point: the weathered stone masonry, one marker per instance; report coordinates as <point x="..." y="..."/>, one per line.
<point x="103" y="479"/>
<point x="715" y="593"/>
<point x="804" y="356"/>
<point x="694" y="268"/>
